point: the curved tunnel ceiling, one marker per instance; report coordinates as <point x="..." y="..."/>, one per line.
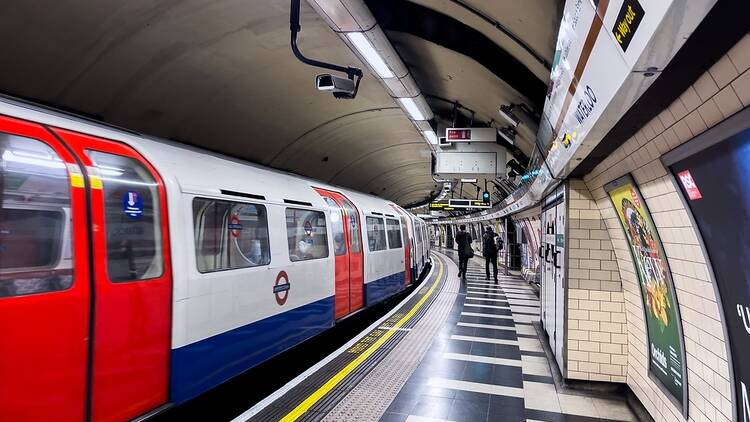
<point x="428" y="24"/>
<point x="447" y="74"/>
<point x="220" y="75"/>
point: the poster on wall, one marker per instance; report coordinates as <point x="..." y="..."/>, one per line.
<point x="711" y="171"/>
<point x="663" y="323"/>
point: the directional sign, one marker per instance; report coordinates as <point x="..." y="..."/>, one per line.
<point x="441" y="206"/>
<point x="469" y="203"/>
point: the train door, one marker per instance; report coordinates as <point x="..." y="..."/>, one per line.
<point x="349" y="258"/>
<point x="408" y="248"/>
<point x="44" y="277"/>
<point x="132" y="279"/>
<point x="408" y="245"/>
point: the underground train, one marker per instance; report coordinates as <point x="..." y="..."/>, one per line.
<point x="136" y="273"/>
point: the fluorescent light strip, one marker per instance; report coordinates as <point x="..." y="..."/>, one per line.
<point x="372" y="57"/>
<point x="430" y="136"/>
<point x="414" y="112"/>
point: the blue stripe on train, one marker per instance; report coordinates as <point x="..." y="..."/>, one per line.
<point x="200" y="366"/>
<point x="377" y="290"/>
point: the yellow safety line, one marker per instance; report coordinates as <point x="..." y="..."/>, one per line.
<point x="331" y="383"/>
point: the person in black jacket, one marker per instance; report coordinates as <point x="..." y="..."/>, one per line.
<point x="463" y="245"/>
<point x="489" y="250"/>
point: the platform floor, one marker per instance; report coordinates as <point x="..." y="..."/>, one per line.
<point x="449" y="352"/>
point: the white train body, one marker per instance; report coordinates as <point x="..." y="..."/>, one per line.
<point x="236" y="293"/>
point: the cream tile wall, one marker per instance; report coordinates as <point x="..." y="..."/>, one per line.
<point x="597" y="340"/>
<point x="722" y="91"/>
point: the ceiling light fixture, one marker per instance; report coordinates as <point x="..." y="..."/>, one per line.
<point x="507" y="112"/>
<point x="411" y="107"/>
<point x="508" y="133"/>
<point x="355" y="24"/>
<point x="430" y="136"/>
<point x="365" y="48"/>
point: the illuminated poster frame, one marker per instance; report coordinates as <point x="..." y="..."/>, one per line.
<point x="735" y="129"/>
<point x="661" y="311"/>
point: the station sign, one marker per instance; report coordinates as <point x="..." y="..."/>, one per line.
<point x="469" y="203"/>
<point x="472" y="134"/>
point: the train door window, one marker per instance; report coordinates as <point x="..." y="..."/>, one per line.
<point x="306" y="234"/>
<point x="353" y="226"/>
<point x="132" y="218"/>
<point x="394" y="233"/>
<point x="376" y="234"/>
<point x="35" y="234"/>
<point x="229" y="235"/>
<point x="337" y="227"/>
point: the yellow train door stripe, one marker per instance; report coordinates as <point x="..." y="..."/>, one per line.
<point x="333" y="381"/>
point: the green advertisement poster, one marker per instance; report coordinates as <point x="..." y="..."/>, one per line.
<point x="663" y="323"/>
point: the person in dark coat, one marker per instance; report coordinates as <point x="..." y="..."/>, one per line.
<point x="489" y="250"/>
<point x="463" y="245"/>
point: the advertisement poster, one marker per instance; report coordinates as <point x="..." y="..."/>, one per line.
<point x="713" y="180"/>
<point x="663" y="324"/>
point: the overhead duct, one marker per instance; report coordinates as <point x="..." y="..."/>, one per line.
<point x="356" y="26"/>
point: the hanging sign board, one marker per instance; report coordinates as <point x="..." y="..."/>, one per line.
<point x="469" y="203"/>
<point x="465" y="164"/>
<point x="666" y="348"/>
<point x="473" y="134"/>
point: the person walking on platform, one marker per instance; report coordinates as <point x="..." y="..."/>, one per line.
<point x="463" y="245"/>
<point x="489" y="250"/>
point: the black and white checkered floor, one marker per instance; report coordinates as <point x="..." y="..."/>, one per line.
<point x="487" y="364"/>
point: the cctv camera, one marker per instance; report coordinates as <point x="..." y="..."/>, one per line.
<point x="340" y="87"/>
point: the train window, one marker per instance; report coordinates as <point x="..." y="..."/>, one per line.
<point x="353" y="227"/>
<point x="306" y="234"/>
<point x="229" y="235"/>
<point x="376" y="234"/>
<point x="337" y="227"/>
<point x="394" y="233"/>
<point x="35" y="239"/>
<point x="132" y="218"/>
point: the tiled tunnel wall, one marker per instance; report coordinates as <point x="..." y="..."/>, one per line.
<point x="597" y="340"/>
<point x="720" y="92"/>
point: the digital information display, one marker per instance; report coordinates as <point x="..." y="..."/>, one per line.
<point x="663" y="324"/>
<point x="712" y="173"/>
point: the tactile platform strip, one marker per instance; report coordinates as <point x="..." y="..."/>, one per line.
<point x="281" y="407"/>
<point x="372" y="396"/>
